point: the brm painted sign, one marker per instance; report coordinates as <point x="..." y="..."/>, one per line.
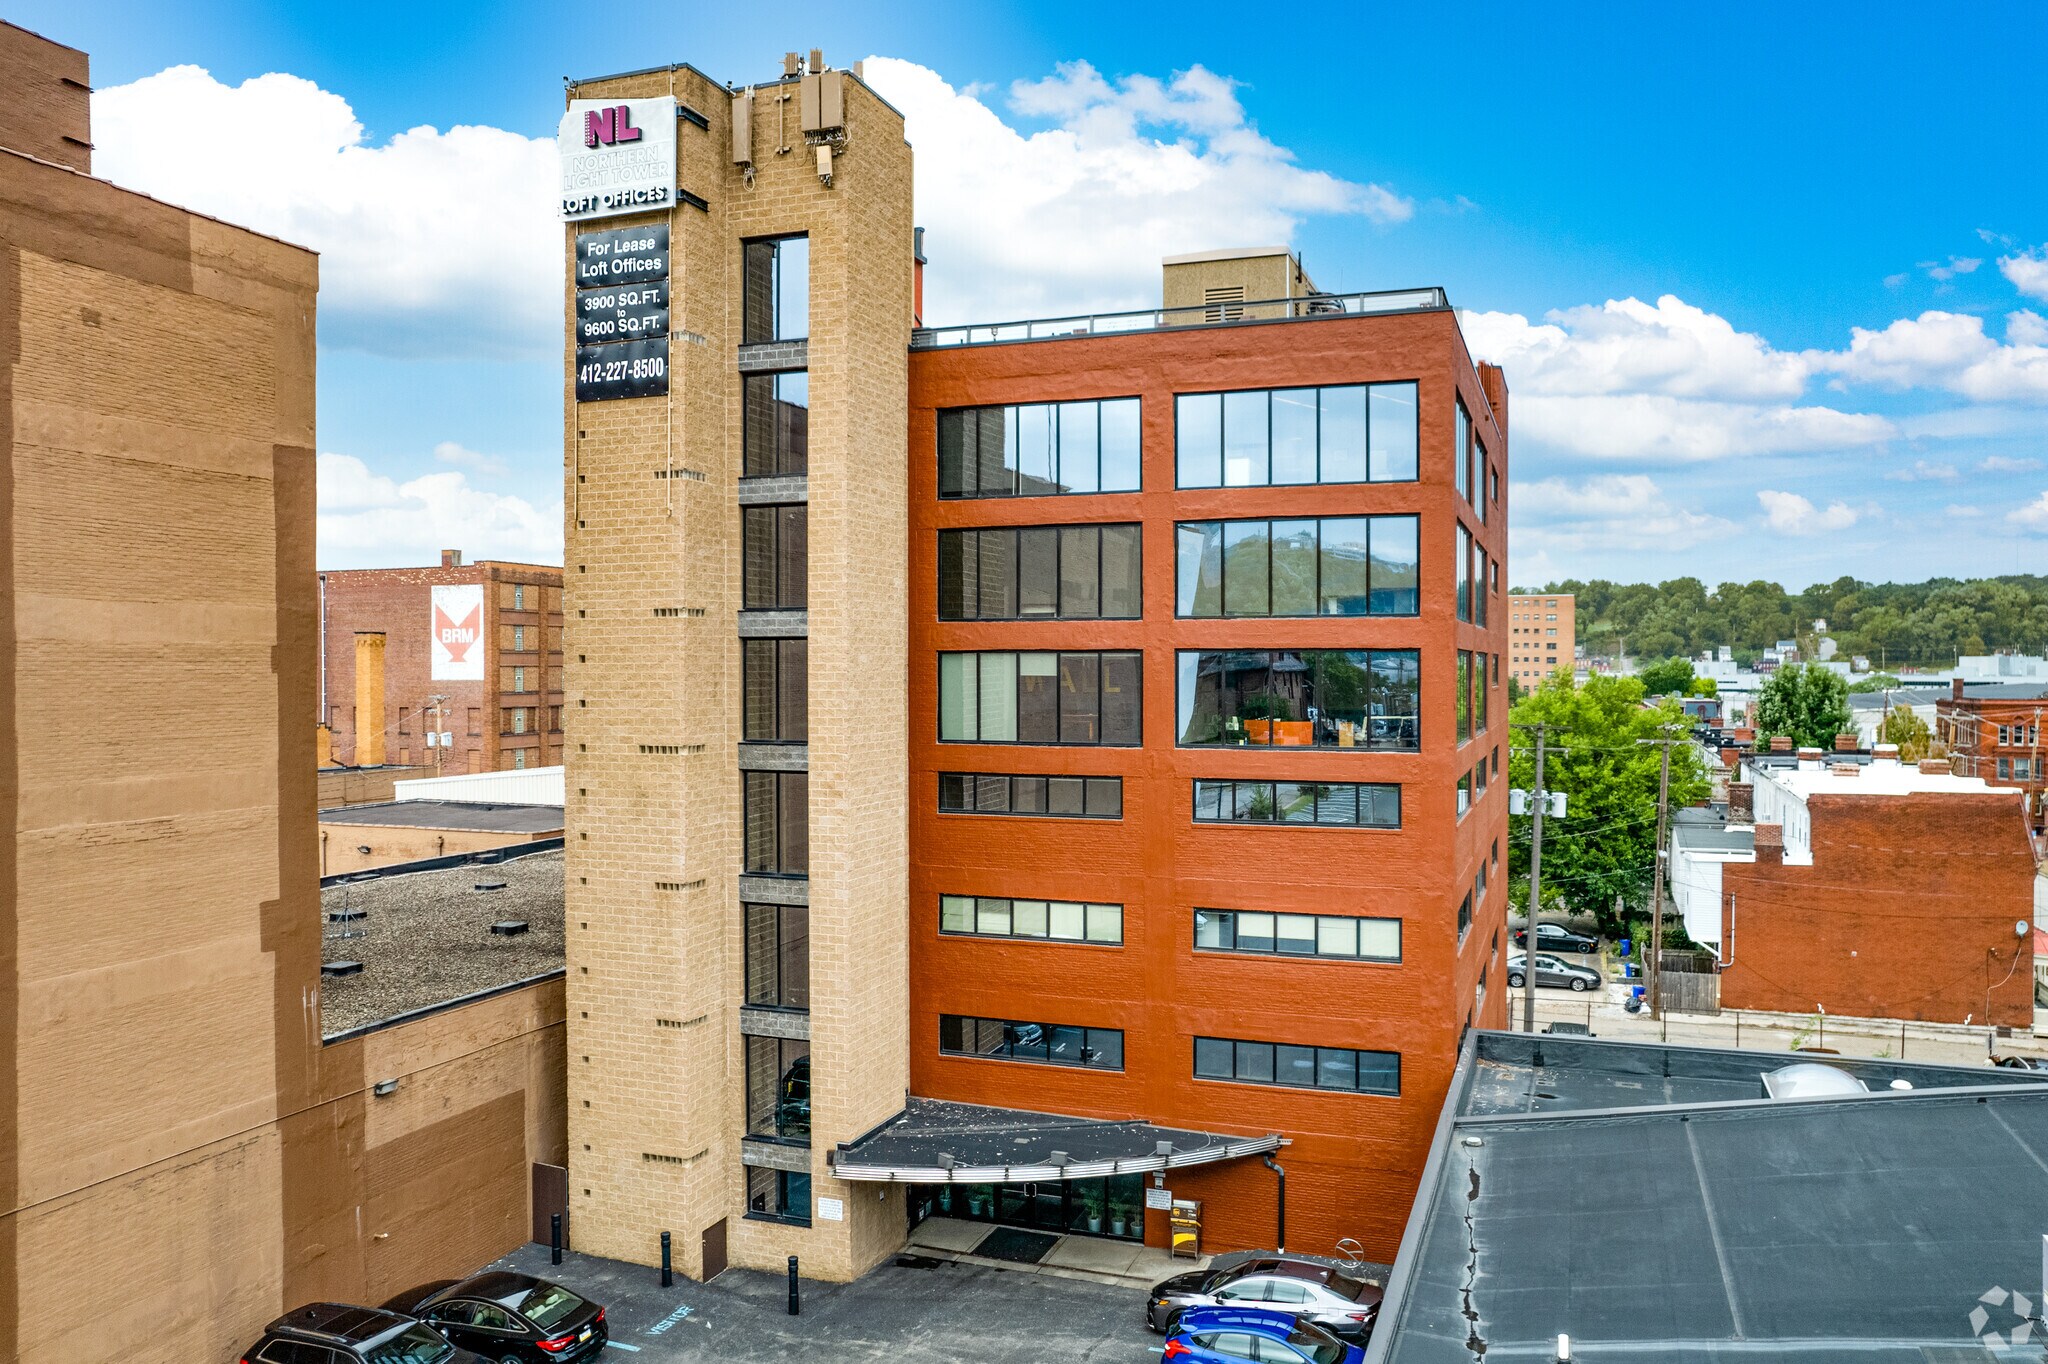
<point x="618" y="156"/>
<point x="458" y="626"/>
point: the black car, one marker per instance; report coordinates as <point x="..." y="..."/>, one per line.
<point x="514" y="1318"/>
<point x="1337" y="1302"/>
<point x="1557" y="938"/>
<point x="337" y="1333"/>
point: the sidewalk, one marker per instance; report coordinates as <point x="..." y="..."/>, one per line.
<point x="1094" y="1258"/>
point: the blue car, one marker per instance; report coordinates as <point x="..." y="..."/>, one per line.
<point x="1238" y="1335"/>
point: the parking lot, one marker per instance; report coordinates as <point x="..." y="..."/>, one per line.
<point x="910" y="1311"/>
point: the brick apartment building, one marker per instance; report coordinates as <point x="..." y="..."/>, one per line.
<point x="486" y="638"/>
<point x="1995" y="731"/>
<point x="183" y="1152"/>
<point x="1866" y="887"/>
<point x="1153" y="709"/>
<point x="1541" y="632"/>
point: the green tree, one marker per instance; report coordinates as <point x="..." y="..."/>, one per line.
<point x="1902" y="727"/>
<point x="1704" y="686"/>
<point x="1806" y="701"/>
<point x="1871" y="682"/>
<point x="1605" y="845"/>
<point x="1667" y="677"/>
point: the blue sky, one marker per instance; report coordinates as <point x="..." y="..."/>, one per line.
<point x="1779" y="177"/>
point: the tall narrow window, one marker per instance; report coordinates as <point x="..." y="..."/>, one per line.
<point x="777" y="823"/>
<point x="777" y="289"/>
<point x="777" y="413"/>
<point x="1461" y="455"/>
<point x="778" y="956"/>
<point x="774" y="557"/>
<point x="772" y="677"/>
<point x="1464" y="552"/>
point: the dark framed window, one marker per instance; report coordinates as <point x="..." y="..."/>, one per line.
<point x="776" y="289"/>
<point x="1336" y="936"/>
<point x="1479" y="566"/>
<point x="779" y="1195"/>
<point x="773" y="681"/>
<point x="1464" y="573"/>
<point x="1331" y="804"/>
<point x="1355" y="433"/>
<point x="777" y="415"/>
<point x="777" y="823"/>
<point x="1327" y="566"/>
<point x="984" y="916"/>
<point x="1041" y="698"/>
<point x="774" y="557"/>
<point x="1461" y="457"/>
<point x="1057" y="1044"/>
<point x="1464" y="916"/>
<point x="1040" y="449"/>
<point x="1000" y="793"/>
<point x="1307" y="698"/>
<point x="1297" y="1067"/>
<point x="778" y="952"/>
<point x="779" y="1089"/>
<point x="1464" y="697"/>
<point x="1464" y="795"/>
<point x="1482" y="694"/>
<point x="1041" y="573"/>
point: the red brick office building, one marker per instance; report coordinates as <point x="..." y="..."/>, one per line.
<point x="1207" y="755"/>
<point x="486" y="637"/>
<point x="1995" y="731"/>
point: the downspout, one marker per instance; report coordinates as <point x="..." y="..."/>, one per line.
<point x="323" y="649"/>
<point x="1279" y="1203"/>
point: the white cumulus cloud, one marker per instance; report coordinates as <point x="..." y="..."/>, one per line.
<point x="1922" y="471"/>
<point x="2033" y="516"/>
<point x="1667" y="382"/>
<point x="1608" y="511"/>
<point x="1075" y="217"/>
<point x="1947" y="350"/>
<point x="368" y="520"/>
<point x="2007" y="464"/>
<point x="431" y="242"/>
<point x="2027" y="270"/>
<point x="1791" y="514"/>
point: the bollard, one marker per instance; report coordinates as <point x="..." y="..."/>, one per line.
<point x="554" y="1238"/>
<point x="668" y="1278"/>
<point x="793" y="1303"/>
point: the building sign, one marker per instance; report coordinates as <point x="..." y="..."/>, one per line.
<point x="622" y="369"/>
<point x="624" y="255"/>
<point x="618" y="156"/>
<point x="458" y="626"/>
<point x="1159" y="1198"/>
<point x="622" y="313"/>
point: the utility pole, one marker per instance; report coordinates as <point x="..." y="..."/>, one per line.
<point x="1540" y="800"/>
<point x="1657" y="877"/>
<point x="435" y="702"/>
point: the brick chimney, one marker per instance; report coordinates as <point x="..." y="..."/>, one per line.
<point x="1770" y="845"/>
<point x="369" y="698"/>
<point x="1886" y="753"/>
<point x="1955" y="689"/>
<point x="1781" y="743"/>
<point x="1935" y="767"/>
<point x="1741" y="803"/>
<point x="1846" y="743"/>
<point x="451" y="558"/>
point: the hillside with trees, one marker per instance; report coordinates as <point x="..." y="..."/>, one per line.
<point x="1895" y="624"/>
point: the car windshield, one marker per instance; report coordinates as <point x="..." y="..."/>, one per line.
<point x="548" y="1304"/>
<point x="1319" y="1346"/>
<point x="1348" y="1288"/>
<point x="414" y="1345"/>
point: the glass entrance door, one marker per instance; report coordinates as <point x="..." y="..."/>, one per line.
<point x="1112" y="1207"/>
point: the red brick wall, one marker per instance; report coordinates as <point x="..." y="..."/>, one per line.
<point x="1907" y="912"/>
<point x="1970" y="728"/>
<point x="398" y="602"/>
<point x="1355" y="1159"/>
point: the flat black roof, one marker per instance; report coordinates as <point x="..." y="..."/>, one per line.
<point x="1650" y="1203"/>
<point x="469" y="815"/>
<point x="937" y="1140"/>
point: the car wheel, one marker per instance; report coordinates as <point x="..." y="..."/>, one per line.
<point x="1172" y="1326"/>
<point x="1578" y="985"/>
<point x="1515" y="980"/>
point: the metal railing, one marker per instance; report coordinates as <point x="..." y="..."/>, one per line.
<point x="1194" y="315"/>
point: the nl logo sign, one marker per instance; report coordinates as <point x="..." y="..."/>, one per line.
<point x="618" y="156"/>
<point x="458" y="630"/>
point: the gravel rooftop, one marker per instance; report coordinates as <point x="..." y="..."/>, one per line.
<point x="427" y="939"/>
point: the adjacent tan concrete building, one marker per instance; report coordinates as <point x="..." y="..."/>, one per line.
<point x="182" y="1154"/>
<point x="737" y="868"/>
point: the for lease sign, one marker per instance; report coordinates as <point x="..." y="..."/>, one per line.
<point x="618" y="156"/>
<point x="458" y="625"/>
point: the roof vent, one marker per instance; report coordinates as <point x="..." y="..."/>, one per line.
<point x="508" y="928"/>
<point x="341" y="968"/>
<point x="1810" y="1080"/>
<point x="490" y="885"/>
<point x="1885" y="753"/>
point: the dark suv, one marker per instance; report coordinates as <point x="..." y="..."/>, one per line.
<point x="336" y="1333"/>
<point x="515" y="1318"/>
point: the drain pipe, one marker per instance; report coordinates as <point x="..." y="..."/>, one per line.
<point x="1279" y="1203"/>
